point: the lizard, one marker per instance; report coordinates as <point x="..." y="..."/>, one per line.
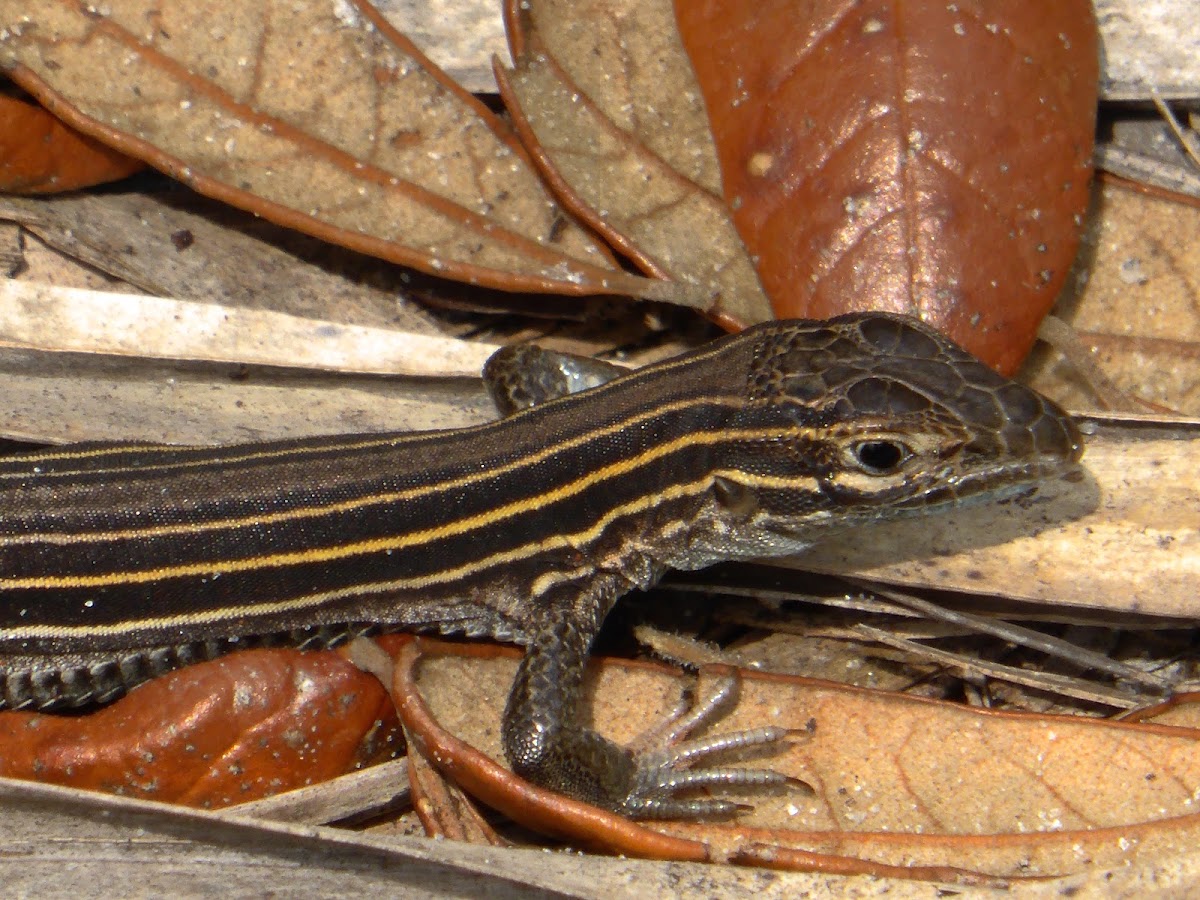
<point x="119" y="562"/>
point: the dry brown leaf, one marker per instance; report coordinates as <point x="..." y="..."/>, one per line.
<point x="925" y="158"/>
<point x="181" y="245"/>
<point x="239" y="728"/>
<point x="547" y="812"/>
<point x="318" y="116"/>
<point x="1138" y="298"/>
<point x="900" y="780"/>
<point x="606" y="98"/>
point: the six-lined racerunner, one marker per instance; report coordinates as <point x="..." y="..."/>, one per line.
<point x="121" y="562"/>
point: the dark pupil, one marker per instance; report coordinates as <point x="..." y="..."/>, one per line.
<point x="879" y="456"/>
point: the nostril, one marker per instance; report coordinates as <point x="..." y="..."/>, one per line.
<point x="1057" y="435"/>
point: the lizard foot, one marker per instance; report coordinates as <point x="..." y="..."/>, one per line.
<point x="665" y="762"/>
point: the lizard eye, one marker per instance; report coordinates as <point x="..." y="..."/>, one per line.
<point x="880" y="457"/>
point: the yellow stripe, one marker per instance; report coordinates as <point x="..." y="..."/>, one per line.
<point x="308" y="512"/>
<point x="496" y="560"/>
<point x="398" y="542"/>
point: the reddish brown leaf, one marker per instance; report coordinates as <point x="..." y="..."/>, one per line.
<point x="445" y="810"/>
<point x="243" y="727"/>
<point x="318" y="116"/>
<point x="41" y="155"/>
<point x="929" y="158"/>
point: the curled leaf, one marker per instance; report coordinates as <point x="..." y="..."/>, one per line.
<point x="41" y="155"/>
<point x="318" y="116"/>
<point x="606" y="99"/>
<point x="898" y="780"/>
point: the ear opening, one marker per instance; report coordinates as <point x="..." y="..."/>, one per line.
<point x="736" y="498"/>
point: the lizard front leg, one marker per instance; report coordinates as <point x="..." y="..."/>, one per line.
<point x="547" y="743"/>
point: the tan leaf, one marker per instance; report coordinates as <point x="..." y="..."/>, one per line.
<point x="1136" y="300"/>
<point x="318" y="116"/>
<point x="897" y="780"/>
<point x="606" y="98"/>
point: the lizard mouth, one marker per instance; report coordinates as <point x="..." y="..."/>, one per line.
<point x="1006" y="464"/>
<point x="1001" y="482"/>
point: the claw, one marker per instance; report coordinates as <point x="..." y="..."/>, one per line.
<point x="662" y="773"/>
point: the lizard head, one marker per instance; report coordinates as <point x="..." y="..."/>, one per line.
<point x="873" y="415"/>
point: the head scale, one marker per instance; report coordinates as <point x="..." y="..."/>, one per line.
<point x="872" y="415"/>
